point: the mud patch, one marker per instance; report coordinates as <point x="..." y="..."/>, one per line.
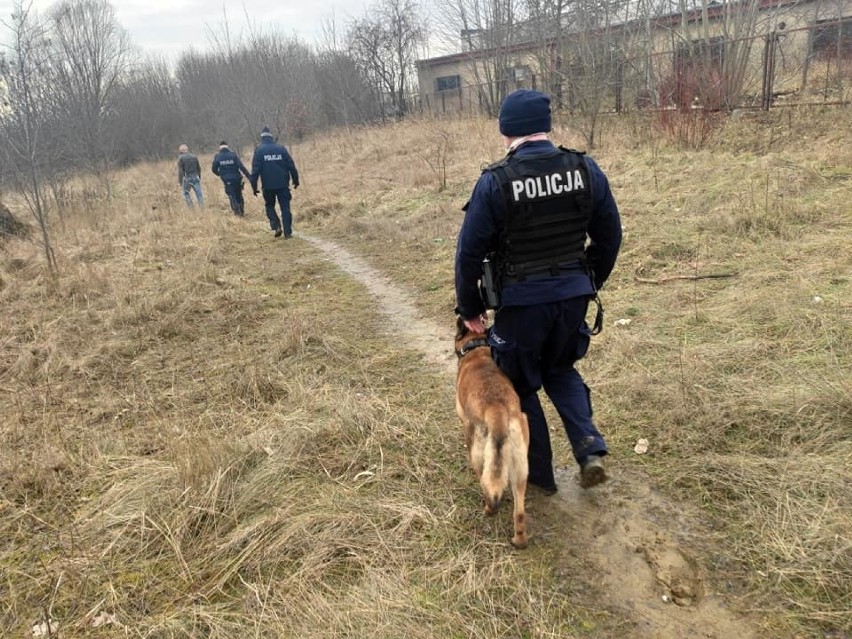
<point x="677" y="573"/>
<point x="639" y="542"/>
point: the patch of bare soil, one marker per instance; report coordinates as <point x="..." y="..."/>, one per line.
<point x="636" y="542"/>
<point x="639" y="543"/>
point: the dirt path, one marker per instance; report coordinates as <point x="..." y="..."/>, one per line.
<point x="433" y="341"/>
<point x="637" y="540"/>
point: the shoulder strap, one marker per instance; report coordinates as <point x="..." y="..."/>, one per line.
<point x="501" y="163"/>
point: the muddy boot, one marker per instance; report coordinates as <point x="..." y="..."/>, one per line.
<point x="592" y="471"/>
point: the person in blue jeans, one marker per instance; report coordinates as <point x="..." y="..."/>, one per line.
<point x="189" y="176"/>
<point x="545" y="216"/>
<point x="274" y="166"/>
<point x="228" y="166"/>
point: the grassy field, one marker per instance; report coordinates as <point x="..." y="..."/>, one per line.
<point x="208" y="433"/>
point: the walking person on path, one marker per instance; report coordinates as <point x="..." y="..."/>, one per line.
<point x="547" y="220"/>
<point x="228" y="166"/>
<point x="274" y="166"/>
<point x="189" y="176"/>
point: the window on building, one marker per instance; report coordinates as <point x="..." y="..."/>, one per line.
<point x="521" y="74"/>
<point x="832" y="37"/>
<point x="698" y="53"/>
<point x="448" y="83"/>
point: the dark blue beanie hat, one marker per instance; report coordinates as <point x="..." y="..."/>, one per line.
<point x="266" y="132"/>
<point x="525" y="112"/>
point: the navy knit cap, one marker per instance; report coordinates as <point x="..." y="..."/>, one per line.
<point x="266" y="132"/>
<point x="525" y="112"/>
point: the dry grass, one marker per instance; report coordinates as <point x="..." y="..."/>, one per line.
<point x="207" y="433"/>
<point x="741" y="384"/>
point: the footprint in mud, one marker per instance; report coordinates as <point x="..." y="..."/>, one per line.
<point x="635" y="537"/>
<point x="678" y="573"/>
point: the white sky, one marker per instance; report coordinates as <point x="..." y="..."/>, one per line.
<point x="165" y="27"/>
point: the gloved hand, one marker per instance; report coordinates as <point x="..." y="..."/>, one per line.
<point x="295" y="185"/>
<point x="255" y="191"/>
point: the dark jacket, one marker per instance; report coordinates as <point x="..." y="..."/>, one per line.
<point x="188" y="166"/>
<point x="274" y="166"/>
<point x="228" y="166"/>
<point x="483" y="227"/>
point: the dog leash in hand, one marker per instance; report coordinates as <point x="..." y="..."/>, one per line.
<point x="472" y="344"/>
<point x="482" y="341"/>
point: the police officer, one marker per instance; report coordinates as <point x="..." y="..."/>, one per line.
<point x="228" y="166"/>
<point x="273" y="164"/>
<point x="532" y="214"/>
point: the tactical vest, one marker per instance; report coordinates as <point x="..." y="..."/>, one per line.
<point x="548" y="206"/>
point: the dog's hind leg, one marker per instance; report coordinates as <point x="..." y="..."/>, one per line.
<point x="519" y="491"/>
<point x="520" y="471"/>
<point x="467" y="425"/>
<point x="476" y="449"/>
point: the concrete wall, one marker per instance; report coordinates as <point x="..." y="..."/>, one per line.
<point x="471" y="69"/>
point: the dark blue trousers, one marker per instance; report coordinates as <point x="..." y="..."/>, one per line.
<point x="286" y="221"/>
<point x="537" y="347"/>
<point x="234" y="191"/>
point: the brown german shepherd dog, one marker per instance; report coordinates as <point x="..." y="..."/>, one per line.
<point x="495" y="430"/>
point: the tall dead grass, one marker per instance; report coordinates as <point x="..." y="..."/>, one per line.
<point x="208" y="433"/>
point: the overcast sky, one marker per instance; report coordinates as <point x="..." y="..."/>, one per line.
<point x="165" y="27"/>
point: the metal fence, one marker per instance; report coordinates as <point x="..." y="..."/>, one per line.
<point x="805" y="66"/>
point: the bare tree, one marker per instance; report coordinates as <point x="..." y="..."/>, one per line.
<point x="262" y="79"/>
<point x="740" y="28"/>
<point x="594" y="53"/>
<point x="488" y="29"/>
<point x="76" y="98"/>
<point x="385" y="45"/>
<point x="91" y="54"/>
<point x="640" y="53"/>
<point x="406" y="34"/>
<point x="279" y="75"/>
<point x="147" y="118"/>
<point x="547" y="26"/>
<point x="579" y="51"/>
<point x="344" y="90"/>
<point x="712" y="52"/>
<point x="201" y="82"/>
<point x="24" y="118"/>
<point x="368" y="45"/>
